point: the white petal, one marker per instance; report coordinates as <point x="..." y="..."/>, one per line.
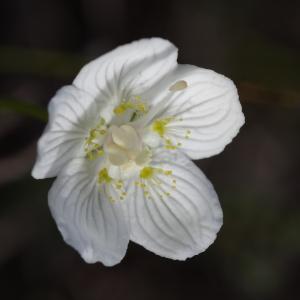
<point x="207" y="112"/>
<point x="71" y="112"/>
<point x="87" y="220"/>
<point x="128" y="70"/>
<point x="179" y="225"/>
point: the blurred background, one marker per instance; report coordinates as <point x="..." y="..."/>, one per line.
<point x="43" y="45"/>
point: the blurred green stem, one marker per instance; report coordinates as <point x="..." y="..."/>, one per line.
<point x="26" y="109"/>
<point x="39" y="62"/>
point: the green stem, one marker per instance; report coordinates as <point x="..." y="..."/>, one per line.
<point x="26" y="109"/>
<point x="51" y="64"/>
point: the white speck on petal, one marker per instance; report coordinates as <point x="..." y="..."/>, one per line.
<point x="178" y="86"/>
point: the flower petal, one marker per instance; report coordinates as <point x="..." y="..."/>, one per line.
<point x="174" y="222"/>
<point x="206" y="112"/>
<point x="71" y="112"/>
<point x="128" y="70"/>
<point x="87" y="220"/>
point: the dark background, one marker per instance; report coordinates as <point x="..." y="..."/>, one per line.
<point x="256" y="43"/>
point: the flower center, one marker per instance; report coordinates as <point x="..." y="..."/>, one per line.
<point x="125" y="150"/>
<point x="124" y="146"/>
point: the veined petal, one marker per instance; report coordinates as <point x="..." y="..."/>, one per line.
<point x="128" y="70"/>
<point x="87" y="220"/>
<point x="72" y="112"/>
<point x="175" y="213"/>
<point x="204" y="110"/>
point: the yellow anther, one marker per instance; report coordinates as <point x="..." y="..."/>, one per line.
<point x="119" y="186"/>
<point x="93" y="151"/>
<point x="135" y="104"/>
<point x="149" y="177"/>
<point x="93" y="145"/>
<point x="159" y="126"/>
<point x="146" y="173"/>
<point x="120" y="109"/>
<point x="169" y="145"/>
<point x="168" y="172"/>
<point x="106" y="180"/>
<point x="103" y="176"/>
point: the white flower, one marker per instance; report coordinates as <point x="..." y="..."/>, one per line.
<point x="120" y="140"/>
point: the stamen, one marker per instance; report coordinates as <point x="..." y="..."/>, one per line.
<point x="103" y="176"/>
<point x="93" y="143"/>
<point x="169" y="145"/>
<point x="139" y="107"/>
<point x="148" y="178"/>
<point x="147" y="173"/>
<point x="105" y="181"/>
<point x="159" y="126"/>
